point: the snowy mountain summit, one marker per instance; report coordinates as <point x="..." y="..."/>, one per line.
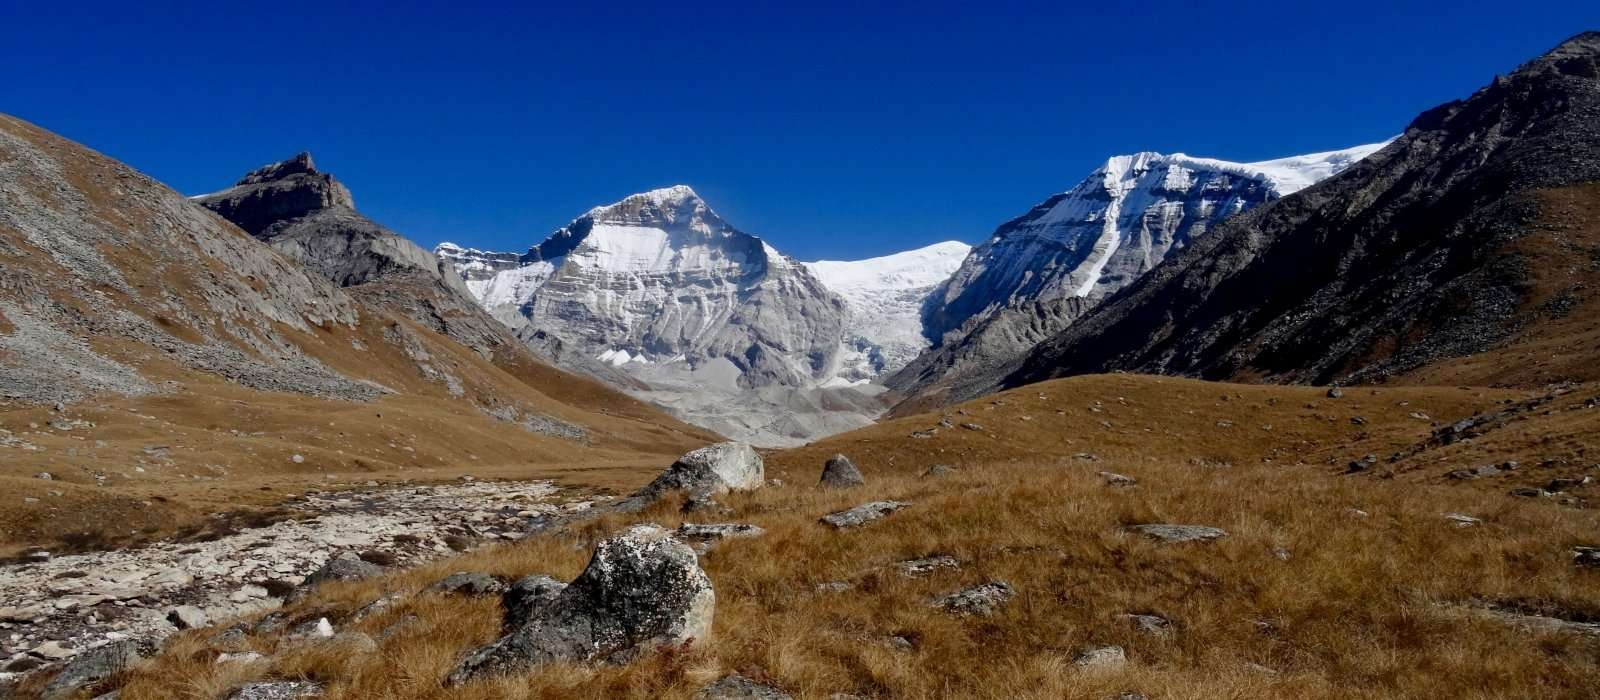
<point x="1119" y="222"/>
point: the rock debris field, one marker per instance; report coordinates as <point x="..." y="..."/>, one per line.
<point x="53" y="608"/>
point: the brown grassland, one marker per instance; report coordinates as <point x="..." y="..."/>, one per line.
<point x="1392" y="603"/>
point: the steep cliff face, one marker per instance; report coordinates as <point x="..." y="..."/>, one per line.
<point x="1411" y="256"/>
<point x="1040" y="271"/>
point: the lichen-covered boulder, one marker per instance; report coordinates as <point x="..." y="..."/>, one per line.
<point x="642" y="589"/>
<point x="525" y="598"/>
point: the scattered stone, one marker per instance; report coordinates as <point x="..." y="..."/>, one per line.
<point x="1118" y="480"/>
<point x="187" y="617"/>
<point x="1419" y="415"/>
<point x="704" y="502"/>
<point x="277" y="690"/>
<point x="834" y="587"/>
<point x="1563" y="484"/>
<point x="1150" y="624"/>
<point x="298" y="459"/>
<point x="982" y="599"/>
<point x="711" y="533"/>
<point x="53" y="651"/>
<point x="1361" y="465"/>
<point x="1357" y="420"/>
<point x="1172" y="534"/>
<point x="840" y="473"/>
<point x="1461" y="520"/>
<point x="527" y="598"/>
<point x="1528" y="492"/>
<point x="922" y="567"/>
<point x="467" y="583"/>
<point x="44" y="475"/>
<point x="243" y="657"/>
<point x="346" y="567"/>
<point x="738" y="687"/>
<point x="91" y="667"/>
<point x="1335" y="393"/>
<point x="862" y="514"/>
<point x="1587" y="557"/>
<point x="939" y="470"/>
<point x="641" y="589"/>
<point x="717" y="468"/>
<point x="319" y="628"/>
<point x="1108" y="657"/>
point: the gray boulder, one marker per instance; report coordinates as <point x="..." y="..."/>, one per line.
<point x="526" y="598"/>
<point x="738" y="687"/>
<point x="345" y="567"/>
<point x="1173" y="534"/>
<point x="277" y="690"/>
<point x="642" y="589"/>
<point x="840" y="473"/>
<point x="468" y="583"/>
<point x="862" y="514"/>
<point x="187" y="617"/>
<point x="1588" y="557"/>
<point x="91" y="667"/>
<point x="1107" y="657"/>
<point x="982" y="599"/>
<point x="719" y="468"/>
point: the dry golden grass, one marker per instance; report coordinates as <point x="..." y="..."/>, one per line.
<point x="1377" y="606"/>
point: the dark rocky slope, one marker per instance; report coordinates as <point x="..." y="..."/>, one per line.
<point x="1401" y="261"/>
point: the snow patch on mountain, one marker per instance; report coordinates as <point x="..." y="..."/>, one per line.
<point x="885" y="296"/>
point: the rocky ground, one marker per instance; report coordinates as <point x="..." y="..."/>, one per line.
<point x="53" y="608"/>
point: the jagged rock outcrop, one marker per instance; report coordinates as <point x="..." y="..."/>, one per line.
<point x="1039" y="272"/>
<point x="1416" y="254"/>
<point x="642" y="589"/>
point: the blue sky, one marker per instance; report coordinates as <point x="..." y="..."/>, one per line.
<point x="832" y="130"/>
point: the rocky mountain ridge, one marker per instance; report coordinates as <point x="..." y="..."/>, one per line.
<point x="1040" y="271"/>
<point x="1414" y="255"/>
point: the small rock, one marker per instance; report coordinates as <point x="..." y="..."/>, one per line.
<point x="44" y="475"/>
<point x="1108" y="657"/>
<point x="346" y="567"/>
<point x="468" y="584"/>
<point x="982" y="599"/>
<point x="243" y="657"/>
<point x="1335" y="393"/>
<point x="940" y="470"/>
<point x="1559" y="485"/>
<point x="1118" y="480"/>
<point x="711" y="533"/>
<point x="737" y="687"/>
<point x="53" y="650"/>
<point x="187" y="617"/>
<point x="1587" y="557"/>
<point x="1528" y="492"/>
<point x="1172" y="534"/>
<point x="1361" y="465"/>
<point x="319" y="628"/>
<point x="298" y="459"/>
<point x="1461" y="520"/>
<point x="922" y="567"/>
<point x="862" y="514"/>
<point x="834" y="587"/>
<point x="277" y="690"/>
<point x="840" y="473"/>
<point x="1150" y="624"/>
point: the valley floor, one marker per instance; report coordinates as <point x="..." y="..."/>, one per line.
<point x="1412" y="572"/>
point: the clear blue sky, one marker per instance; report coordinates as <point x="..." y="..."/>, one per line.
<point x="834" y="131"/>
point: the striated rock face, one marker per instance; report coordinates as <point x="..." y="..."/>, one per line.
<point x="641" y="590"/>
<point x="659" y="295"/>
<point x="660" y="278"/>
<point x="1407" y="258"/>
<point x="1042" y="270"/>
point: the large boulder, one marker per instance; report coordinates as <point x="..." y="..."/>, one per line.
<point x="840" y="473"/>
<point x="719" y="468"/>
<point x="526" y="598"/>
<point x="642" y="589"/>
